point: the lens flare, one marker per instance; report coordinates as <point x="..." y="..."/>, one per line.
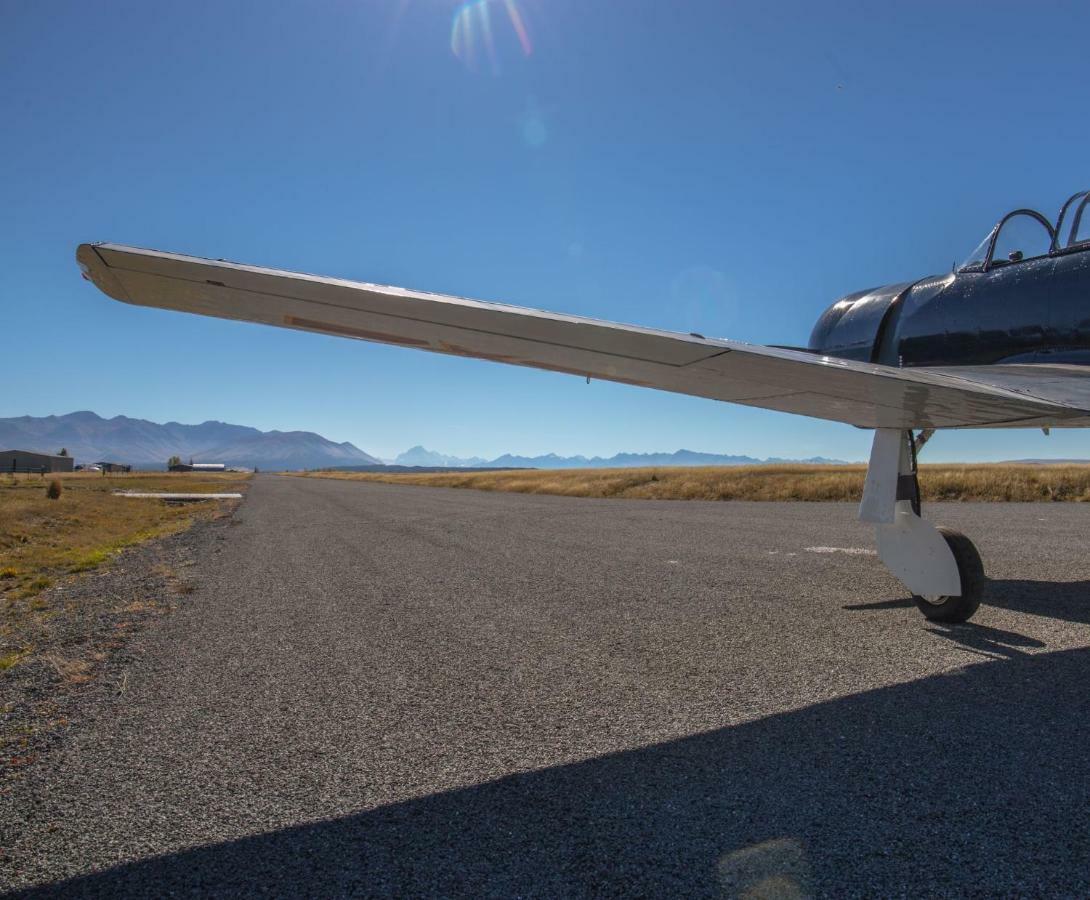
<point x="520" y="27"/>
<point x="471" y="32"/>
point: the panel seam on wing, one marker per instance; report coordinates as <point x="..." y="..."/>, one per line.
<point x="718" y="351"/>
<point x="468" y="302"/>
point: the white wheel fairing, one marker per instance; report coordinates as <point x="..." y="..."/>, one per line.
<point x="911" y="547"/>
<point x="914" y="550"/>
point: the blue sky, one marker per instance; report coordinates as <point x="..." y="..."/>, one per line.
<point x="727" y="168"/>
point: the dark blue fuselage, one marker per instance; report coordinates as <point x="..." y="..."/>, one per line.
<point x="1032" y="311"/>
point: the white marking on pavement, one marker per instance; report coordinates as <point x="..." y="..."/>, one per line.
<point x="161" y="496"/>
<point x="851" y="551"/>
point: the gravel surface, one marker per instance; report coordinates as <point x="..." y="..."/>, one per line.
<point x="80" y="641"/>
<point x="389" y="690"/>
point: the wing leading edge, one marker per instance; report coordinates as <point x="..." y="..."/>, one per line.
<point x="869" y="396"/>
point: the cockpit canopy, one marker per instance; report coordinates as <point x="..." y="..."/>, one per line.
<point x="1026" y="234"/>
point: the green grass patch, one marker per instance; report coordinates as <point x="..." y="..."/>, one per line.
<point x="90" y="560"/>
<point x="10" y="659"/>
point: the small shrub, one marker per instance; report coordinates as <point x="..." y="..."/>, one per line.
<point x="34" y="587"/>
<point x="53" y="492"/>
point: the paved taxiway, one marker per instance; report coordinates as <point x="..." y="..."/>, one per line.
<point x="393" y="690"/>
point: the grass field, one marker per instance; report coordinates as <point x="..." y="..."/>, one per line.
<point x="993" y="482"/>
<point x="43" y="539"/>
<point x="55" y="642"/>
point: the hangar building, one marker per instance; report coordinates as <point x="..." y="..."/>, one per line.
<point x="25" y="461"/>
<point x="199" y="467"/>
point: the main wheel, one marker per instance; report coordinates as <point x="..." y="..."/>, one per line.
<point x="971" y="571"/>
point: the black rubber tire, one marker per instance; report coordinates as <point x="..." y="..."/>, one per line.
<point x="973" y="582"/>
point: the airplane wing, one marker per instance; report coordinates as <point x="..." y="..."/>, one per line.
<point x="795" y="381"/>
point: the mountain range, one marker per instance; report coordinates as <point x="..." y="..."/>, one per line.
<point x="420" y="456"/>
<point x="90" y="438"/>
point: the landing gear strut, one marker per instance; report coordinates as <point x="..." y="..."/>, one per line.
<point x="939" y="566"/>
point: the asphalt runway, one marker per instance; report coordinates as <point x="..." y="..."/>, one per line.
<point x="380" y="690"/>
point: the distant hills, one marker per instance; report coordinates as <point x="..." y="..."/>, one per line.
<point x="419" y="456"/>
<point x="90" y="438"/>
<point x="1046" y="462"/>
<point x="148" y="445"/>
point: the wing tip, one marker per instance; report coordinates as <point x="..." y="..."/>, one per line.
<point x="95" y="270"/>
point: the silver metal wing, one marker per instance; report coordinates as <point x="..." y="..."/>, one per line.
<point x="862" y="394"/>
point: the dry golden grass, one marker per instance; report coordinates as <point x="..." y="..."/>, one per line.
<point x="42" y="539"/>
<point x="991" y="482"/>
<point x="54" y="644"/>
<point x="71" y="671"/>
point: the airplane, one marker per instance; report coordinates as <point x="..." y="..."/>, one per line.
<point x="1002" y="341"/>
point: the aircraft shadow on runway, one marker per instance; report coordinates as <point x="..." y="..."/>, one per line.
<point x="1068" y="601"/>
<point x="973" y="781"/>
